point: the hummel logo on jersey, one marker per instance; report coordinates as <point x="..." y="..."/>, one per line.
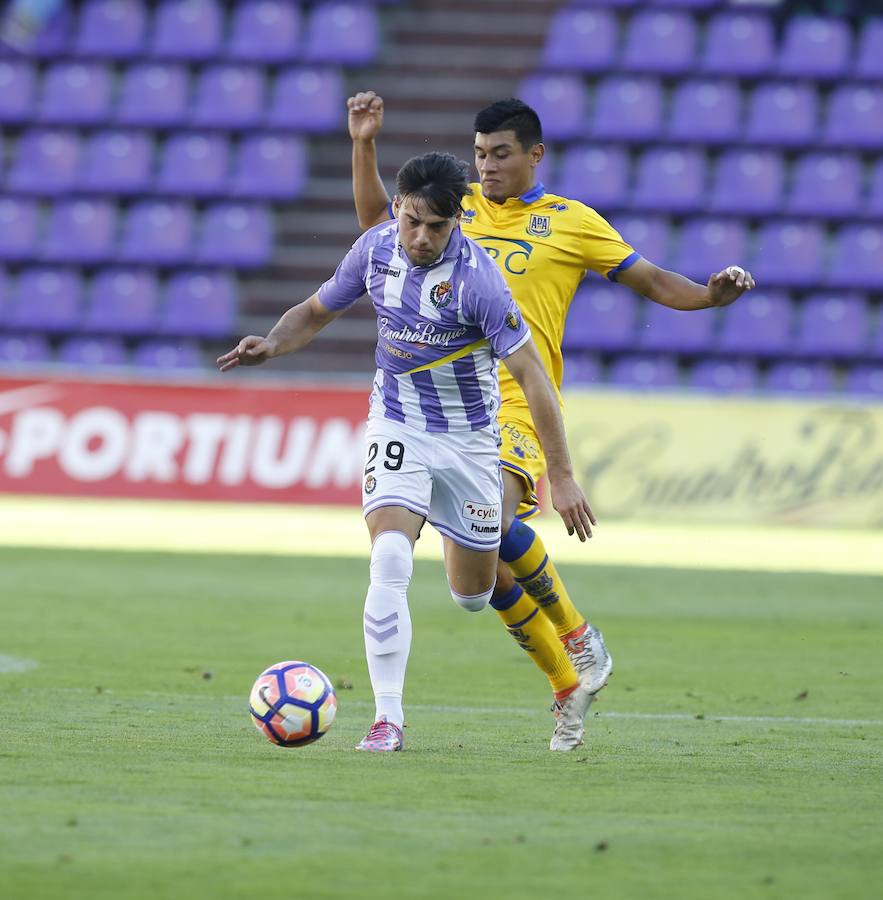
<point x="380" y="269"/>
<point x="540" y="226"/>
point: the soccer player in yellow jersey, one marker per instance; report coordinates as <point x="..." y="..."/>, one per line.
<point x="543" y="244"/>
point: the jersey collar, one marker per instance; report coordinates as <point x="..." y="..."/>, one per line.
<point x="534" y="193"/>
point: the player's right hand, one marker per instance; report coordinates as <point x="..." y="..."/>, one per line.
<point x="571" y="504"/>
<point x="364" y="115"/>
<point x="250" y="351"/>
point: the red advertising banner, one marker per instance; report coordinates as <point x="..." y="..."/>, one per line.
<point x="184" y="442"/>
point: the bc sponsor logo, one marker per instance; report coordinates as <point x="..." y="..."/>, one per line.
<point x="540" y="226"/>
<point x="370" y="484"/>
<point x="440" y="294"/>
<point x="508" y="253"/>
<point x="481" y="512"/>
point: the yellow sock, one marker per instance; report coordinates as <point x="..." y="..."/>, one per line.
<point x="524" y="552"/>
<point x="536" y="636"/>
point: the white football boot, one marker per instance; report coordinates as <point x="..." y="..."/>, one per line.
<point x="590" y="658"/>
<point x="570" y="715"/>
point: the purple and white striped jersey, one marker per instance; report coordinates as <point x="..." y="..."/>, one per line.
<point x="440" y="329"/>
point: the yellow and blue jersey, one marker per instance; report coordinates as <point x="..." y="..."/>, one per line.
<point x="544" y="245"/>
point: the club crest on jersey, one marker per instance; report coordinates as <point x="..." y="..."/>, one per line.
<point x="440" y="294"/>
<point x="513" y="320"/>
<point x="370" y="484"/>
<point x="540" y="226"/>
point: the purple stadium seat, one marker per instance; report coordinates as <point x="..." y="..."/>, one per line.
<point x="857" y="257"/>
<point x="154" y="95"/>
<point x="672" y="330"/>
<point x="800" y="378"/>
<point x="865" y="379"/>
<point x="758" y="323"/>
<point x="75" y="93"/>
<point x="826" y="184"/>
<point x="88" y="352"/>
<point x="23" y="350"/>
<point x="613" y="4"/>
<point x="187" y="29"/>
<point x="17" y="90"/>
<point x="53" y="39"/>
<point x="747" y="181"/>
<point x="855" y="117"/>
<point x="340" y="32"/>
<point x="267" y="31"/>
<point x="874" y="206"/>
<point x="877" y="337"/>
<point x="601" y="317"/>
<point x="724" y="375"/>
<point x="789" y="253"/>
<point x="194" y="165"/>
<point x="80" y="231"/>
<point x="111" y="28"/>
<point x="595" y="175"/>
<point x="738" y="44"/>
<point x="4" y="283"/>
<point x="229" y="96"/>
<point x="236" y="234"/>
<point x="272" y="167"/>
<point x="670" y="179"/>
<point x="157" y="233"/>
<point x="649" y="235"/>
<point x="644" y="372"/>
<point x="19" y="227"/>
<point x="46" y="300"/>
<point x="706" y="246"/>
<point x="582" y="40"/>
<point x="307" y="100"/>
<point x="815" y="47"/>
<point x="167" y="355"/>
<point x="869" y="58"/>
<point x="117" y="162"/>
<point x="684" y="4"/>
<point x="627" y="109"/>
<point x="706" y="110"/>
<point x="199" y="304"/>
<point x="833" y="325"/>
<point x="560" y="102"/>
<point x="660" y="41"/>
<point x="783" y="114"/>
<point x="123" y="301"/>
<point x="581" y="369"/>
<point x="46" y="162"/>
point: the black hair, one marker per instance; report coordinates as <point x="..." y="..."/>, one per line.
<point x="440" y="180"/>
<point x="511" y="115"/>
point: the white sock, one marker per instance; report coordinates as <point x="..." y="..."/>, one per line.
<point x="387" y="622"/>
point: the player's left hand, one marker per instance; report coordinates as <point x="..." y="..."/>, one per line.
<point x="570" y="503"/>
<point x="728" y="285"/>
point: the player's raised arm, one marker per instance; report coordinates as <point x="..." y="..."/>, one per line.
<point x="677" y="292"/>
<point x="294" y="330"/>
<point x="567" y="496"/>
<point x="365" y="119"/>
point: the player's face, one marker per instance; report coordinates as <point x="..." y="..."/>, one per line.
<point x="423" y="233"/>
<point x="505" y="168"/>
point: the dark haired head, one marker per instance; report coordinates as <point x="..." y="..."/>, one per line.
<point x="440" y="180"/>
<point x="511" y="115"/>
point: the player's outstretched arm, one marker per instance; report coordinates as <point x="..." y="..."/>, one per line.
<point x="294" y="330"/>
<point x="677" y="292"/>
<point x="567" y="496"/>
<point x="365" y="119"/>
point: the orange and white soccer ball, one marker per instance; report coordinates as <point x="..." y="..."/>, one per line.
<point x="292" y="703"/>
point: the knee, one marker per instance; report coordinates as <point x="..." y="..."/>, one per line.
<point x="392" y="559"/>
<point x="473" y="602"/>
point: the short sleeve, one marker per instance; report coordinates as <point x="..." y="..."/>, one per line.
<point x="348" y="282"/>
<point x="604" y="250"/>
<point x="495" y="312"/>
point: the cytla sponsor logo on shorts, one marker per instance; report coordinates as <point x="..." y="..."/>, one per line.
<point x="481" y="512"/>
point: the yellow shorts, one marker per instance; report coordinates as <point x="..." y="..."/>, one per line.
<point x="520" y="453"/>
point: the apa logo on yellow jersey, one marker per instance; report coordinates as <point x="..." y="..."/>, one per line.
<point x="540" y="226"/>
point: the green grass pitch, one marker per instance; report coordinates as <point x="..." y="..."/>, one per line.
<point x="735" y="753"/>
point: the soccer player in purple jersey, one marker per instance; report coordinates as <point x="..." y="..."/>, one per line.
<point x="444" y="318"/>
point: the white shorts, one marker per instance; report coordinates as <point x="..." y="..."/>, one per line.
<point x="452" y="479"/>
